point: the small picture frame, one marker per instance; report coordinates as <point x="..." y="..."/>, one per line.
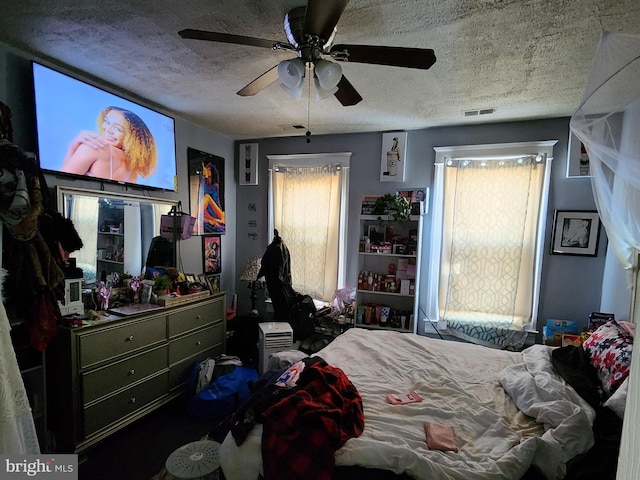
<point x="212" y="254"/>
<point x="578" y="165"/>
<point x="214" y="281"/>
<point x="203" y="280"/>
<point x="248" y="158"/>
<point x="147" y="290"/>
<point x="575" y="233"/>
<point x="393" y="158"/>
<point x="417" y="198"/>
<point x="190" y="278"/>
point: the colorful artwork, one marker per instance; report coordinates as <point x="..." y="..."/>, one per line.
<point x="206" y="192"/>
<point x="212" y="253"/>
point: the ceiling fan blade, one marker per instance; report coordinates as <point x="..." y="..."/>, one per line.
<point x="322" y="17"/>
<point x="260" y="83"/>
<point x="347" y="95"/>
<point x="422" y="58"/>
<point x="226" y="38"/>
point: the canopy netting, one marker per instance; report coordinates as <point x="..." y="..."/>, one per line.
<point x="608" y="124"/>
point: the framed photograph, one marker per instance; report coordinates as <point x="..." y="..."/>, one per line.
<point x="393" y="157"/>
<point x="577" y="158"/>
<point x="206" y="192"/>
<point x="417" y="198"/>
<point x="575" y="233"/>
<point x="248" y="158"/>
<point x="190" y="277"/>
<point x="147" y="289"/>
<point x="212" y="254"/>
<point x="203" y="280"/>
<point x="214" y="281"/>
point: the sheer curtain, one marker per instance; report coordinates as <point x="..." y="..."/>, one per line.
<point x="306" y="209"/>
<point x="607" y="123"/>
<point x="17" y="429"/>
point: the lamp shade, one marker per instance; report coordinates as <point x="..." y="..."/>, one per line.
<point x="328" y="74"/>
<point x="251" y="269"/>
<point x="291" y="76"/>
<point x="321" y="93"/>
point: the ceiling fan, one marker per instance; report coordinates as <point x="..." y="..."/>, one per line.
<point x="310" y="33"/>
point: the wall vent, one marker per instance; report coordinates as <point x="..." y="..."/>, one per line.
<point x="481" y="111"/>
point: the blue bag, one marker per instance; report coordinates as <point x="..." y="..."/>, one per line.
<point x="224" y="394"/>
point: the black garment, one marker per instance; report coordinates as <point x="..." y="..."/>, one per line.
<point x="276" y="269"/>
<point x="160" y="253"/>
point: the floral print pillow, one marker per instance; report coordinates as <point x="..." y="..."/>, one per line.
<point x="609" y="349"/>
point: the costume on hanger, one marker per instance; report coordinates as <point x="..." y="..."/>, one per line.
<point x="17" y="429"/>
<point x="275" y="267"/>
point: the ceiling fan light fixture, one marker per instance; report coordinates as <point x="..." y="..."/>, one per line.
<point x="291" y="72"/>
<point x="322" y="93"/>
<point x="327" y="74"/>
<point x="291" y="75"/>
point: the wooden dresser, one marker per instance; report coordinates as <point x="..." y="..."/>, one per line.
<point x="103" y="377"/>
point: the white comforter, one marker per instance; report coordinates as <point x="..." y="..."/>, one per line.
<point x="508" y="410"/>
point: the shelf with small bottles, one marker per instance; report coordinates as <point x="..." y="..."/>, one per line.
<point x="388" y="266"/>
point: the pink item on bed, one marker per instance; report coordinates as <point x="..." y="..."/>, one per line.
<point x="440" y="437"/>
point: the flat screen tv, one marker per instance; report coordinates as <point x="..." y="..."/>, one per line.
<point x="84" y="130"/>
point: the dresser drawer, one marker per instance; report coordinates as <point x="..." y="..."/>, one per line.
<point x="102" y="381"/>
<point x="198" y="316"/>
<point x="112" y="409"/>
<point x="195" y="343"/>
<point x="180" y="372"/>
<point x="104" y="344"/>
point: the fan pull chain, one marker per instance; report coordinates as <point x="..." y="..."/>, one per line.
<point x="308" y="134"/>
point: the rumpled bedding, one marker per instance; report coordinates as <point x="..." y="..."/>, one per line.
<point x="508" y="410"/>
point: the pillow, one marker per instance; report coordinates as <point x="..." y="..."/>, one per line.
<point x="609" y="350"/>
<point x="618" y="400"/>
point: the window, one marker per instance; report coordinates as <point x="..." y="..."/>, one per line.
<point x="308" y="197"/>
<point x="488" y="232"/>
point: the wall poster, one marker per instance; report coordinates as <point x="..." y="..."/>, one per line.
<point x="206" y="192"/>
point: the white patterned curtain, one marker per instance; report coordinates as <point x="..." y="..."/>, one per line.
<point x="490" y="223"/>
<point x="306" y="213"/>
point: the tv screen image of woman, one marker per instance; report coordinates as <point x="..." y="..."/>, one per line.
<point x="121" y="149"/>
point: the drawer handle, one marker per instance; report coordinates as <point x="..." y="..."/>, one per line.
<point x="198" y="317"/>
<point x="132" y="400"/>
<point x="132" y="372"/>
<point x="130" y="338"/>
<point x="199" y="342"/>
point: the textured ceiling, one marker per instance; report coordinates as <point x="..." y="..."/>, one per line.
<point x="525" y="58"/>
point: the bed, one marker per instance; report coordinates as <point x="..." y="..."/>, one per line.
<point x="510" y="412"/>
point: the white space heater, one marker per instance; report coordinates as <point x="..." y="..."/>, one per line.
<point x="273" y="337"/>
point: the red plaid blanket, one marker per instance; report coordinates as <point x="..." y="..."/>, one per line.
<point x="303" y="431"/>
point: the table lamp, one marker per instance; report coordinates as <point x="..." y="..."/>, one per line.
<point x="250" y="274"/>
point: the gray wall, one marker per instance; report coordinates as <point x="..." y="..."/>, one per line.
<point x="16" y="92"/>
<point x="571" y="285"/>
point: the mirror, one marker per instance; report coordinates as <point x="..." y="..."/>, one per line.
<point x="116" y="230"/>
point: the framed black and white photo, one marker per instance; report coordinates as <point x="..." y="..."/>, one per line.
<point x="248" y="158"/>
<point x="393" y="157"/>
<point x="575" y="233"/>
